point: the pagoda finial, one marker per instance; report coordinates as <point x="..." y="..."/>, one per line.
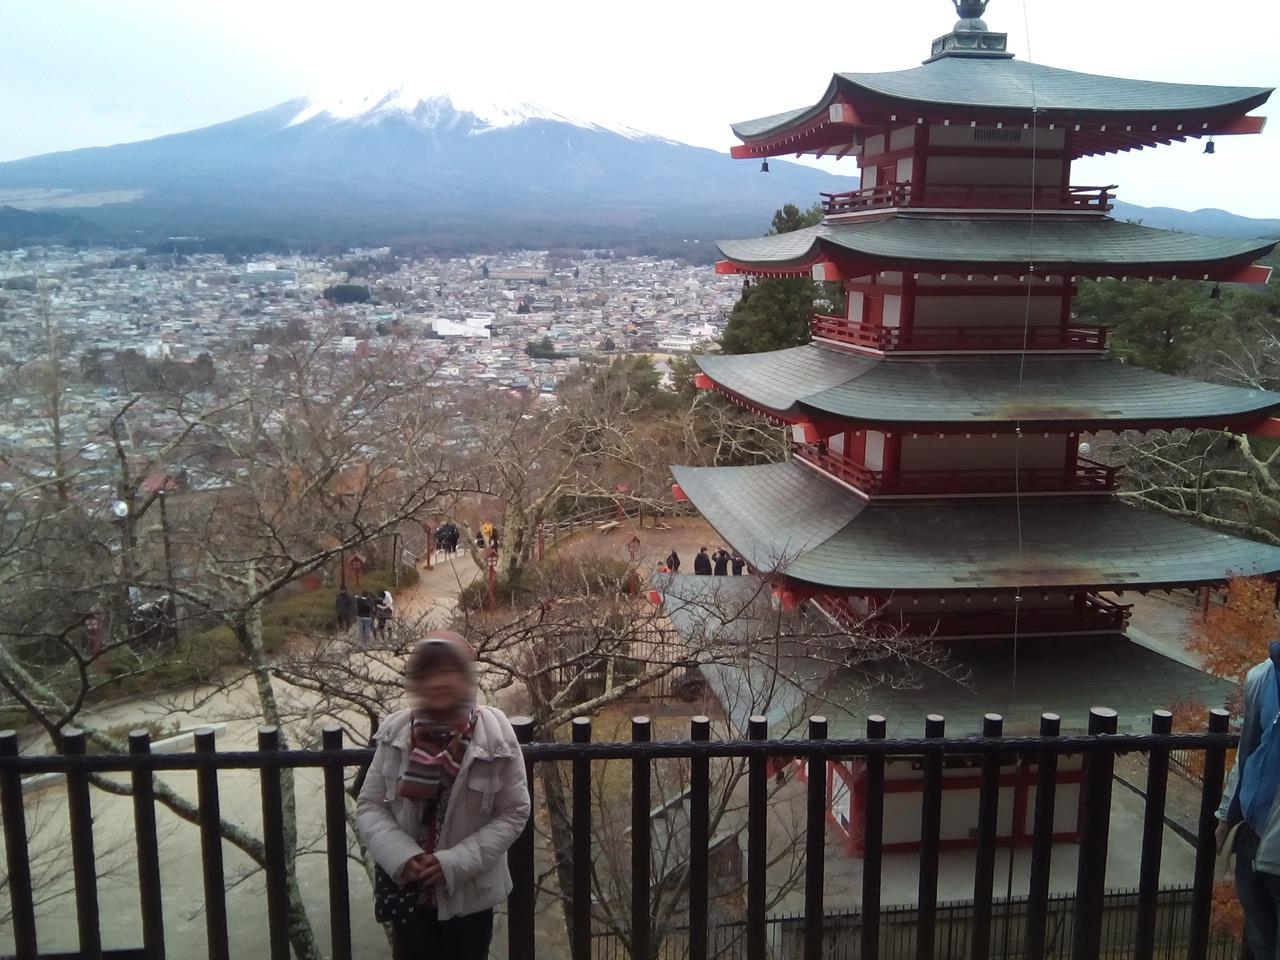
<point x="970" y="36"/>
<point x="970" y="9"/>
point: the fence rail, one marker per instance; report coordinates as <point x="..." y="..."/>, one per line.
<point x="930" y="929"/>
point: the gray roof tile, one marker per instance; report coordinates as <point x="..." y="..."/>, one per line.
<point x="919" y="239"/>
<point x="1038" y="390"/>
<point x="787" y="518"/>
<point x="1006" y="84"/>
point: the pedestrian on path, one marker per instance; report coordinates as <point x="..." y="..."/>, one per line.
<point x="702" y="563"/>
<point x="673" y="561"/>
<point x="364" y="615"/>
<point x="720" y="562"/>
<point x="444" y="799"/>
<point x="736" y="563"/>
<point x="344" y="609"/>
<point x="383" y="610"/>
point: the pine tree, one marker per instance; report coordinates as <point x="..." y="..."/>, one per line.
<point x="774" y="313"/>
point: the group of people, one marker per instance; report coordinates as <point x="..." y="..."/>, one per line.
<point x="372" y="613"/>
<point x="448" y="537"/>
<point x="710" y="564"/>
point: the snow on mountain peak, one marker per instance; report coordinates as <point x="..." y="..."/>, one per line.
<point x="432" y="109"/>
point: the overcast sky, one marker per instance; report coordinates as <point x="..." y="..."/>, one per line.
<point x="87" y="72"/>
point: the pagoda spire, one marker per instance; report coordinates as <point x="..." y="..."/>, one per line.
<point x="970" y="36"/>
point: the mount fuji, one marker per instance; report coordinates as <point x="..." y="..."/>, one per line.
<point x="450" y="172"/>
<point x="403" y="165"/>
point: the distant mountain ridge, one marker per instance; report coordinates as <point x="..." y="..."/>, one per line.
<point x="405" y="165"/>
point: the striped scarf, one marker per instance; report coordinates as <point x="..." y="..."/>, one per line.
<point x="436" y="752"/>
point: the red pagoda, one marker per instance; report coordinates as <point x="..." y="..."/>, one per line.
<point x="937" y="482"/>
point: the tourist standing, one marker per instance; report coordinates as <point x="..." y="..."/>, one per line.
<point x="445" y="797"/>
<point x="383" y="610"/>
<point x="344" y="609"/>
<point x="364" y="615"/>
<point x="720" y="562"/>
<point x="1249" y="806"/>
<point x="673" y="561"/>
<point x="737" y="562"/>
<point x="702" y="563"/>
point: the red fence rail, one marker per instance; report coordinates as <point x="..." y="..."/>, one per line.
<point x="1086" y="476"/>
<point x="970" y="197"/>
<point x="960" y="337"/>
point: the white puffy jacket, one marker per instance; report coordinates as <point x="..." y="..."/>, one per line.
<point x="488" y="808"/>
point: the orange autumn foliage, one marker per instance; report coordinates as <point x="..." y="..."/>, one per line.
<point x="1227" y="917"/>
<point x="1234" y="636"/>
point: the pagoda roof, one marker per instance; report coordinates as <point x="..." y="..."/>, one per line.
<point x="1093" y="246"/>
<point x="815" y="382"/>
<point x="788" y="519"/>
<point x="999" y="89"/>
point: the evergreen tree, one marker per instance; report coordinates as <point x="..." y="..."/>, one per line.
<point x="774" y="313"/>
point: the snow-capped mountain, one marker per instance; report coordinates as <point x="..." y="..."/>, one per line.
<point x="450" y="169"/>
<point x="478" y="113"/>
<point x="408" y="164"/>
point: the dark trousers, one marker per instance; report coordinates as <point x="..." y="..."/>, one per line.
<point x="426" y="937"/>
<point x="1260" y="896"/>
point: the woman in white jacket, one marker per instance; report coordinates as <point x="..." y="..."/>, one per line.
<point x="444" y="798"/>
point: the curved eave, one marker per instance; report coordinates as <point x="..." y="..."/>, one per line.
<point x="1108" y="114"/>
<point x="836" y="390"/>
<point x="919" y="243"/>
<point x="789" y="521"/>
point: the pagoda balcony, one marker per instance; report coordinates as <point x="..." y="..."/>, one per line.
<point x="959" y="620"/>
<point x="970" y="197"/>
<point x="1087" y="476"/>
<point x="938" y="339"/>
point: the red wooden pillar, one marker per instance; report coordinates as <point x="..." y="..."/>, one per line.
<point x="920" y="163"/>
<point x="907" y="309"/>
<point x="892" y="459"/>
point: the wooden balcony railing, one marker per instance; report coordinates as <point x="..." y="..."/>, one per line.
<point x="1088" y="476"/>
<point x="960" y="337"/>
<point x="1096" y="615"/>
<point x="970" y="197"/>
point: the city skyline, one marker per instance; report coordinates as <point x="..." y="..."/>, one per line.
<point x="75" y="74"/>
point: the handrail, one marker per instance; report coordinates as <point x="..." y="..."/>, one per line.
<point x="1077" y="336"/>
<point x="1001" y="196"/>
<point x="1087" y="475"/>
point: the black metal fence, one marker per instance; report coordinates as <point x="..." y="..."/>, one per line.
<point x="842" y="932"/>
<point x="1047" y="926"/>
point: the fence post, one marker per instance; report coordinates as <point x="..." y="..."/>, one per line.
<point x="757" y="839"/>
<point x="273" y="840"/>
<point x="83" y="862"/>
<point x="335" y="816"/>
<point x="640" y="831"/>
<point x="930" y="828"/>
<point x="985" y="865"/>
<point x="1041" y="841"/>
<point x="210" y="810"/>
<point x="815" y="844"/>
<point x="1152" y="839"/>
<point x="580" y="896"/>
<point x="1091" y="875"/>
<point x="1215" y="762"/>
<point x="150" y="896"/>
<point x="699" y="838"/>
<point x="520" y="905"/>
<point x="873" y="842"/>
<point x="17" y="855"/>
